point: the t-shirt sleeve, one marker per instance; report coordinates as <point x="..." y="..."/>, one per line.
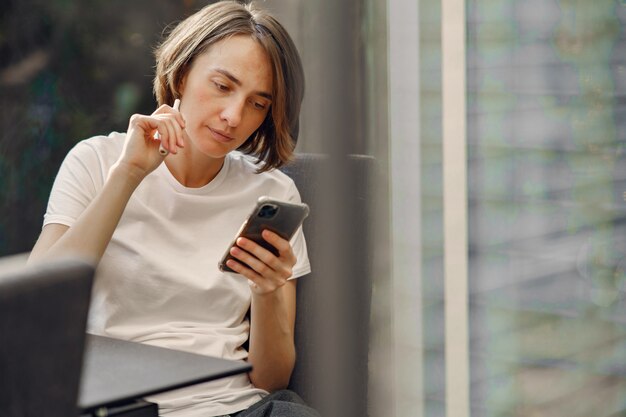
<point x="298" y="242"/>
<point x="75" y="186"/>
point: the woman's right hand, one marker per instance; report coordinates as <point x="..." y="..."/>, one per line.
<point x="141" y="149"/>
<point x="90" y="234"/>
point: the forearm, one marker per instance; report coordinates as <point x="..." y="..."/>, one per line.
<point x="272" y="351"/>
<point x="89" y="236"/>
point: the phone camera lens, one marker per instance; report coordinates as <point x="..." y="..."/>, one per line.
<point x="268" y="211"/>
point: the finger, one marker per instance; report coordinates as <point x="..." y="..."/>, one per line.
<point x="257" y="250"/>
<point x="252" y="261"/>
<point x="147" y="124"/>
<point x="176" y="129"/>
<point x="258" y="283"/>
<point x="179" y="129"/>
<point x="282" y="245"/>
<point x="178" y="124"/>
<point x="246" y="272"/>
<point x="169" y="132"/>
<point x="172" y="135"/>
<point x="163" y="108"/>
<point x="281" y="265"/>
<point x="166" y="109"/>
<point x="162" y="135"/>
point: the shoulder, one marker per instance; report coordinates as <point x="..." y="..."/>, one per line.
<point x="245" y="166"/>
<point x="273" y="183"/>
<point x="103" y="150"/>
<point x="101" y="144"/>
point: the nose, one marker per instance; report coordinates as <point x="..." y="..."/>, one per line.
<point x="233" y="112"/>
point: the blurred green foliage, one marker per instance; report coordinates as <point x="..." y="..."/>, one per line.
<point x="68" y="70"/>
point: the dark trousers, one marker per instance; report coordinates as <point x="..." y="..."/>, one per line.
<point x="282" y="403"/>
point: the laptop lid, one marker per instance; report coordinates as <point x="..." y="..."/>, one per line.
<point x="43" y="314"/>
<point x="117" y="372"/>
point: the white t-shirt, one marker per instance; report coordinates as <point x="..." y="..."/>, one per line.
<point x="158" y="281"/>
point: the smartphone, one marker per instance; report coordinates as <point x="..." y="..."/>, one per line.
<point x="280" y="217"/>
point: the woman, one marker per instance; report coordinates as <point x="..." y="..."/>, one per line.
<point x="158" y="225"/>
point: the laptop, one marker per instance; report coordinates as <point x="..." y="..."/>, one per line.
<point x="43" y="314"/>
<point x="50" y="367"/>
<point x="117" y="373"/>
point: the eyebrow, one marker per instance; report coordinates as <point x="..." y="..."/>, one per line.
<point x="234" y="79"/>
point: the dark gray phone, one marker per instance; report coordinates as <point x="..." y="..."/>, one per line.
<point x="280" y="217"/>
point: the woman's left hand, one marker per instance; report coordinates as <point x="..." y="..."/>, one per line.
<point x="267" y="272"/>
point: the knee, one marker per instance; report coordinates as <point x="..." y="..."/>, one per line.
<point x="287" y="396"/>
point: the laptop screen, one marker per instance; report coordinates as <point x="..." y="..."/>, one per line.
<point x="43" y="314"/>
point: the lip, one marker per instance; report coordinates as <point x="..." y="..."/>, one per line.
<point x="220" y="136"/>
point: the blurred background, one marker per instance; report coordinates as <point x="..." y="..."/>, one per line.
<point x="540" y="328"/>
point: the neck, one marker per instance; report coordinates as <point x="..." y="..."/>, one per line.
<point x="193" y="171"/>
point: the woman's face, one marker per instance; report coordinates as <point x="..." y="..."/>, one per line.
<point x="226" y="95"/>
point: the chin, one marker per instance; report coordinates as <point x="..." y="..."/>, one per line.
<point x="211" y="148"/>
<point x="216" y="152"/>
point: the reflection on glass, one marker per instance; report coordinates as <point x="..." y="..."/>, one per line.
<point x="547" y="190"/>
<point x="431" y="186"/>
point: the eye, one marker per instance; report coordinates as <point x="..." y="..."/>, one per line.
<point x="259" y="106"/>
<point x="220" y="86"/>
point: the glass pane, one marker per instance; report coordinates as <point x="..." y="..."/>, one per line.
<point x="546" y="207"/>
<point x="431" y="184"/>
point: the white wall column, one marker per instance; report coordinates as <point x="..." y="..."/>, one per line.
<point x="455" y="207"/>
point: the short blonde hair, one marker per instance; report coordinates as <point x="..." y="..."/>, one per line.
<point x="274" y="141"/>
